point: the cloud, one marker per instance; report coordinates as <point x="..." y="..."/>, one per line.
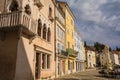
<point x="98" y="20"/>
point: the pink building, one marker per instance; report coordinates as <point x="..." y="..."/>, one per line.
<point x="26" y="39"/>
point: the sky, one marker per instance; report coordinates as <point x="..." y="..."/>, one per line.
<point x="97" y="20"/>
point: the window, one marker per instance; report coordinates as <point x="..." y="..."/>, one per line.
<point x="48" y="35"/>
<point x="68" y="30"/>
<point x="44" y="31"/>
<point x="37" y="65"/>
<point x="57" y="31"/>
<point x="14" y="6"/>
<point x="68" y="44"/>
<point x="72" y="22"/>
<point x="48" y="61"/>
<point x="50" y="12"/>
<point x="58" y="45"/>
<point x="68" y="65"/>
<point x="43" y="61"/>
<point x="73" y="64"/>
<point x="72" y="34"/>
<point x="62" y="47"/>
<point x="39" y="27"/>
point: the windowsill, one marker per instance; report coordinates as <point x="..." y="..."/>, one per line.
<point x="43" y="39"/>
<point x="45" y="69"/>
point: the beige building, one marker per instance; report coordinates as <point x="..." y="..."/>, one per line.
<point x="60" y="40"/>
<point x="103" y="60"/>
<point x="27" y="39"/>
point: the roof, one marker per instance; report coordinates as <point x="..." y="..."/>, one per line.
<point x="68" y="8"/>
<point x="116" y="52"/>
<point x="92" y="48"/>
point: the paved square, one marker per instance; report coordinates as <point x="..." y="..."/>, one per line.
<point x="86" y="75"/>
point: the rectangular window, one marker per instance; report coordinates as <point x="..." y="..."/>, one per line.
<point x="73" y="64"/>
<point x="71" y="22"/>
<point x="58" y="45"/>
<point x="37" y="66"/>
<point x="68" y="44"/>
<point x="68" y="65"/>
<point x="62" y="47"/>
<point x="57" y="30"/>
<point x="43" y="61"/>
<point x="48" y="61"/>
<point x="73" y="46"/>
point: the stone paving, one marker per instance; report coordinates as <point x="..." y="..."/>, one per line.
<point x="85" y="75"/>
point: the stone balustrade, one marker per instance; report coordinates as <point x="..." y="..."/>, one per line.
<point x="16" y="19"/>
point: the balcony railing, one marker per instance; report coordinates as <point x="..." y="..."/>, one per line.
<point x="15" y="19"/>
<point x="62" y="52"/>
<point x="71" y="52"/>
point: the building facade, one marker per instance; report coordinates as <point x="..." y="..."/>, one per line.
<point x="83" y="58"/>
<point x="69" y="26"/>
<point x="27" y="39"/>
<point x="114" y="59"/>
<point x="79" y="48"/>
<point x="60" y="40"/>
<point x="103" y="59"/>
<point x="90" y="58"/>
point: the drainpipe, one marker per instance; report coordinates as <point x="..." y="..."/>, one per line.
<point x="4" y="10"/>
<point x="55" y="40"/>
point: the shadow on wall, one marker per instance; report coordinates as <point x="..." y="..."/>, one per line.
<point x="13" y="65"/>
<point x="25" y="57"/>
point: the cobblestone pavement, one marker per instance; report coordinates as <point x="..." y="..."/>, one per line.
<point x="86" y="75"/>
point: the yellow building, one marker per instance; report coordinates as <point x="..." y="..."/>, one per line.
<point x="69" y="19"/>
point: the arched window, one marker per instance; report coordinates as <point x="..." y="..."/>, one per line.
<point x="48" y="35"/>
<point x="39" y="27"/>
<point x="14" y="6"/>
<point x="44" y="31"/>
<point x="50" y="11"/>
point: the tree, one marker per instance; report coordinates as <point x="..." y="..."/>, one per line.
<point x="85" y="44"/>
<point x="110" y="49"/>
<point x="98" y="46"/>
<point x="117" y="49"/>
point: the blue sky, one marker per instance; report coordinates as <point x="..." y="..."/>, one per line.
<point x="98" y="20"/>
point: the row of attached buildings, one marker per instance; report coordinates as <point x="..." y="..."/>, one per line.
<point x="38" y="40"/>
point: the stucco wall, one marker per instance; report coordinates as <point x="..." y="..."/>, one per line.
<point x="8" y="53"/>
<point x="25" y="60"/>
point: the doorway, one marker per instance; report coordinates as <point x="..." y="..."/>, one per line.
<point x="38" y="66"/>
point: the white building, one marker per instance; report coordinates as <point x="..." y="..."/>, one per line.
<point x="90" y="58"/>
<point x="79" y="46"/>
<point x="114" y="58"/>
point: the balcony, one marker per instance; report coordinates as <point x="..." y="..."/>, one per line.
<point x="18" y="19"/>
<point x="39" y="3"/>
<point x="72" y="52"/>
<point x="62" y="53"/>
